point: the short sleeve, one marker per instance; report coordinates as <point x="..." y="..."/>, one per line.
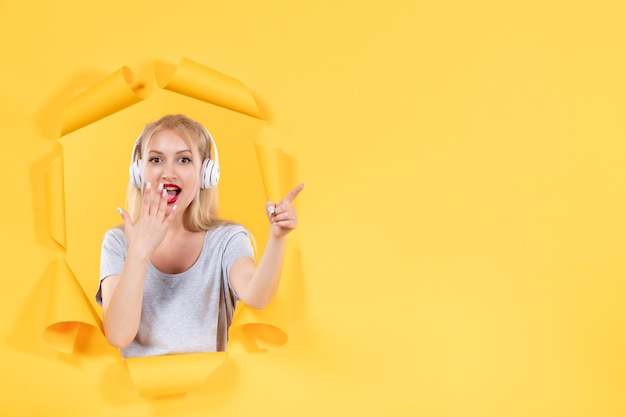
<point x="237" y="246"/>
<point x="112" y="257"/>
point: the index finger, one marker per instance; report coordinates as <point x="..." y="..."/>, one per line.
<point x="293" y="193"/>
<point x="147" y="197"/>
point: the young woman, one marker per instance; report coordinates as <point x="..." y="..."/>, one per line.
<point x="170" y="278"/>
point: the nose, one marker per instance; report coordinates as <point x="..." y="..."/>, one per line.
<point x="169" y="170"/>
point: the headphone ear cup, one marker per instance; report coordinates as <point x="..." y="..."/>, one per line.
<point x="135" y="173"/>
<point x="210" y="175"/>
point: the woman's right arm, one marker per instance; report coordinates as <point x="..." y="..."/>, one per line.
<point x="122" y="295"/>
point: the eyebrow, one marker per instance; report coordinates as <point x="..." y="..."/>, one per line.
<point x="153" y="151"/>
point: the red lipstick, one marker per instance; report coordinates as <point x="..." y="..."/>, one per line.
<point x="173" y="192"/>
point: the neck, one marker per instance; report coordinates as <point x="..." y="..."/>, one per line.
<point x="177" y="227"/>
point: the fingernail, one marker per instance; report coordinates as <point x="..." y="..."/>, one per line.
<point x="164" y="193"/>
<point x="147" y="186"/>
<point x="271" y="209"/>
<point x="119" y="210"/>
<point x="174" y="207"/>
<point x="160" y="187"/>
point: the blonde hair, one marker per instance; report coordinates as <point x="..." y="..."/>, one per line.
<point x="202" y="213"/>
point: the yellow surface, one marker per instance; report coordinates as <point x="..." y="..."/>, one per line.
<point x="462" y="222"/>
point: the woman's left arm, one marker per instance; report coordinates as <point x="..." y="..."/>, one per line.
<point x="256" y="285"/>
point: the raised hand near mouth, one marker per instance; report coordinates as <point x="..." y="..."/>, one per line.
<point x="148" y="232"/>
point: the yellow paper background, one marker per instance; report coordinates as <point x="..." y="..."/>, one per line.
<point x="462" y="222"/>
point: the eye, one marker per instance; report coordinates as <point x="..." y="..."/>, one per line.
<point x="184" y="160"/>
<point x="154" y="160"/>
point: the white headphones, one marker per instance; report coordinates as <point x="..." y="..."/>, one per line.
<point x="209" y="176"/>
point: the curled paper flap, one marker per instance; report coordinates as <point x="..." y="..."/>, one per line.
<point x="55" y="200"/>
<point x="112" y="94"/>
<point x="195" y="80"/>
<point x="68" y="309"/>
<point x="277" y="171"/>
<point x="256" y="337"/>
<point x="263" y="329"/>
<point x="267" y="328"/>
<point x="156" y="376"/>
<point x="122" y="89"/>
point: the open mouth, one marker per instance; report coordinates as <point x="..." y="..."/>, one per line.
<point x="173" y="191"/>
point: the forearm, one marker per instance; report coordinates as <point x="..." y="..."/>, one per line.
<point x="123" y="311"/>
<point x="259" y="284"/>
<point x="263" y="284"/>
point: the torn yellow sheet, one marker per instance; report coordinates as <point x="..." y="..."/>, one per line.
<point x="55" y="202"/>
<point x="93" y="110"/>
<point x="276" y="172"/>
<point x="112" y="94"/>
<point x="264" y="329"/>
<point x="195" y="80"/>
<point x="267" y="328"/>
<point x="156" y="376"/>
<point x="68" y="309"/>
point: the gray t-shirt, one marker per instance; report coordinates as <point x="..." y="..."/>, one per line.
<point x="188" y="312"/>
